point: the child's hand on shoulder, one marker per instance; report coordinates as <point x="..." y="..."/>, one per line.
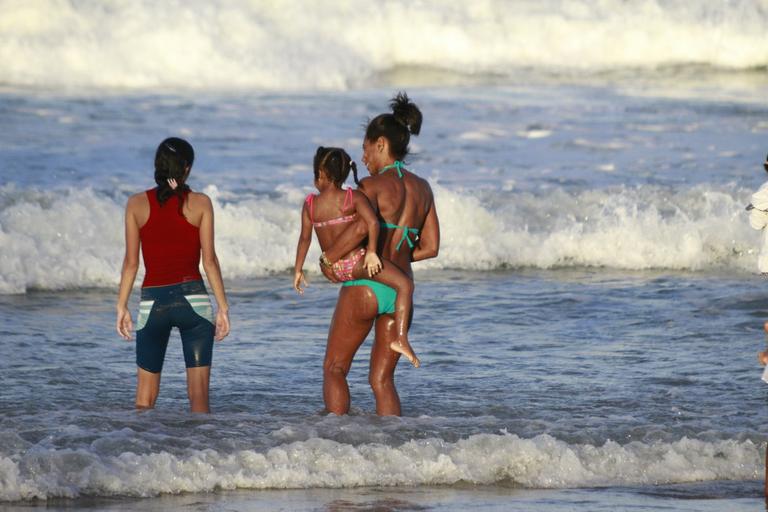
<point x="372" y="263"/>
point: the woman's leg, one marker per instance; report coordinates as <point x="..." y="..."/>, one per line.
<point x="352" y="320"/>
<point x="382" y="371"/>
<point x="147" y="388"/>
<point x="198" y="379"/>
<point x="195" y="322"/>
<point x="395" y="278"/>
<point x="151" y="343"/>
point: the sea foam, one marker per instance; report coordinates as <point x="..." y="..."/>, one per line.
<point x="342" y="45"/>
<point x="73" y="238"/>
<point x="539" y="462"/>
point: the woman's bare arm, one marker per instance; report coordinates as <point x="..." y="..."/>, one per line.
<point x="429" y="238"/>
<point x="124" y="323"/>
<point x="213" y="269"/>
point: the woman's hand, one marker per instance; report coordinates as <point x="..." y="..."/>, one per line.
<point x="298" y="279"/>
<point x="124" y="322"/>
<point x="372" y="263"/>
<point x="222" y="324"/>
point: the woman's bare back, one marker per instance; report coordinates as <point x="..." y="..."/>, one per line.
<point x="404" y="202"/>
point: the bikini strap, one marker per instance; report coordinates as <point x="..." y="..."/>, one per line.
<point x="347" y="200"/>
<point x="398" y="165"/>
<point x="310" y="200"/>
<point x="406" y="233"/>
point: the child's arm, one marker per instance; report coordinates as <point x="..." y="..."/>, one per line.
<point x="354" y="234"/>
<point x="365" y="212"/>
<point x="305" y="239"/>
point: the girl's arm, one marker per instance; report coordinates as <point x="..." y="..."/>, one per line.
<point x="213" y="269"/>
<point x="368" y="216"/>
<point x="305" y="239"/>
<point x="124" y="323"/>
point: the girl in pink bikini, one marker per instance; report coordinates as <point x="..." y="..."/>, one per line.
<point x="329" y="212"/>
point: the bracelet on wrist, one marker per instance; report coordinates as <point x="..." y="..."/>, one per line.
<point x="324" y="261"/>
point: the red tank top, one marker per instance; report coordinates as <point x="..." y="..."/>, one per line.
<point x="170" y="245"/>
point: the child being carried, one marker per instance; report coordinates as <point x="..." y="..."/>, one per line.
<point x="328" y="212"/>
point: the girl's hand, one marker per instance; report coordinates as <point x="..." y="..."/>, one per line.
<point x="298" y="280"/>
<point x="124" y="322"/>
<point x="222" y="324"/>
<point x="372" y="263"/>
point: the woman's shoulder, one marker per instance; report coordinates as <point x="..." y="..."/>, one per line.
<point x="138" y="199"/>
<point x="422" y="182"/>
<point x="375" y="182"/>
<point x="198" y="199"/>
<point x="367" y="184"/>
<point x="412" y="175"/>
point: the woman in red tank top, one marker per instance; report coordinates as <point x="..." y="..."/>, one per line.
<point x="172" y="226"/>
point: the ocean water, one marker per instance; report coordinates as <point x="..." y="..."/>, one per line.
<point x="588" y="332"/>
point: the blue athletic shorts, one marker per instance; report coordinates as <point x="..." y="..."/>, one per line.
<point x="184" y="305"/>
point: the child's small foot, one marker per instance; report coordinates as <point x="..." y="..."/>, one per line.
<point x="763" y="357"/>
<point x="406" y="350"/>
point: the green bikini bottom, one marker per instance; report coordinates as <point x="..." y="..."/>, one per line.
<point x="385" y="295"/>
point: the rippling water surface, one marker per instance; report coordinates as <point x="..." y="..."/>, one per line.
<point x="588" y="333"/>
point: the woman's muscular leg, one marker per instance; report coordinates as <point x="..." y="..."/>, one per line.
<point x="382" y="371"/>
<point x="198" y="382"/>
<point x="351" y="323"/>
<point x="147" y="388"/>
<point x="395" y="278"/>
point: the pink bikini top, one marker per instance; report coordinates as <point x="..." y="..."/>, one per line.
<point x="338" y="220"/>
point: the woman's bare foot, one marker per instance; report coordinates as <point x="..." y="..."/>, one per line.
<point x="763" y="357"/>
<point x="402" y="346"/>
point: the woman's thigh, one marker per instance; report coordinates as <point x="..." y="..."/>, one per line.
<point x="352" y="320"/>
<point x="383" y="359"/>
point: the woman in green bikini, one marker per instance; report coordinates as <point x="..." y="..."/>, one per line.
<point x="410" y="232"/>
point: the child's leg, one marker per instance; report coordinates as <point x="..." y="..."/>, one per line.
<point x="395" y="278"/>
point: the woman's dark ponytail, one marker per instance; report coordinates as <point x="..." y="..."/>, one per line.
<point x="406" y="113"/>
<point x="173" y="158"/>
<point x="398" y="126"/>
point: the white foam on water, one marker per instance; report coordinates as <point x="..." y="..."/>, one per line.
<point x="74" y="238"/>
<point x="628" y="228"/>
<point x="52" y="240"/>
<point x="540" y="462"/>
<point x="343" y="44"/>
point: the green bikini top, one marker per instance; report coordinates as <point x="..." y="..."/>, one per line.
<point x="398" y="166"/>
